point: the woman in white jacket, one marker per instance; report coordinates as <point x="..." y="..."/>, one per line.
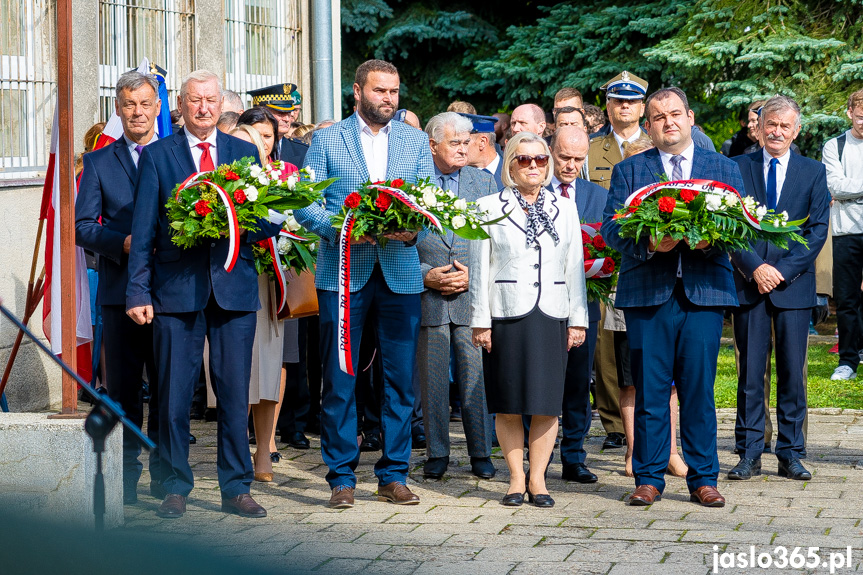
<point x="528" y="308"/>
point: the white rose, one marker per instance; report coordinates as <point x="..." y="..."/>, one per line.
<point x="251" y="193"/>
<point x="761" y="212"/>
<point x="292" y="224"/>
<point x="292" y="181"/>
<point x="458" y="222"/>
<point x="284" y="245"/>
<point x="731" y="200"/>
<point x="311" y="247"/>
<point x="310" y="172"/>
<point x="275" y="174"/>
<point x="450" y="194"/>
<point x="713" y="202"/>
<point x="255" y="170"/>
<point x="429" y="198"/>
<point x="460" y="204"/>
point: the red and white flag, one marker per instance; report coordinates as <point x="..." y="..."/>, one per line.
<point x="51" y="305"/>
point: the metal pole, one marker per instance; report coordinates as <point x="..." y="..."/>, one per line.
<point x="322" y="59"/>
<point x="66" y="212"/>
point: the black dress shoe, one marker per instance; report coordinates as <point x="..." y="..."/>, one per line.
<point x="455" y="414"/>
<point x="192" y="439"/>
<point x="435" y="467"/>
<point x="578" y="472"/>
<point x="211" y="414"/>
<point x="614" y="440"/>
<point x="275" y="456"/>
<point x="793" y="469"/>
<point x="418" y="440"/>
<point x="298" y="440"/>
<point x="371" y="442"/>
<point x="482" y="467"/>
<point x="197" y="412"/>
<point x="540" y="499"/>
<point x="513" y="500"/>
<point x="745" y="469"/>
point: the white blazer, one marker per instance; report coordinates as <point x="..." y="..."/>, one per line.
<point x="508" y="279"/>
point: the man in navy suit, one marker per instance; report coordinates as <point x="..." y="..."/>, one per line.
<point x="103" y="224"/>
<point x="673" y="296"/>
<point x="569" y="147"/>
<point x="187" y="295"/>
<point x="776" y="289"/>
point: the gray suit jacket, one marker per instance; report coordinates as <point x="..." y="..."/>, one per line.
<point x="436" y="251"/>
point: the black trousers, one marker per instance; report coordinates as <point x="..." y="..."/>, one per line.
<point x="847" y="275"/>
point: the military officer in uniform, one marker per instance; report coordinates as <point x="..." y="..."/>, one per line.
<point x="284" y="101"/>
<point x="624" y="101"/>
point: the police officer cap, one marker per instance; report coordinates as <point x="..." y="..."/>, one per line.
<point x="481" y="124"/>
<point x="281" y="97"/>
<point x="625" y="86"/>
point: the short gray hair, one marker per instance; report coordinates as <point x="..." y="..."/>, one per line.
<point x="199" y="76"/>
<point x="133" y="80"/>
<point x="511" y="150"/>
<point x="779" y="103"/>
<point x="459" y="124"/>
<point x="233" y="98"/>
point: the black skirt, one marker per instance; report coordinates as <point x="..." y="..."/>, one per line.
<point x="526" y="368"/>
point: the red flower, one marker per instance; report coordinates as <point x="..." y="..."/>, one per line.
<point x="616" y="216"/>
<point x="688" y="195"/>
<point x="383" y="201"/>
<point x="202" y="208"/>
<point x="398" y="182"/>
<point x="632" y="209"/>
<point x="587" y="254"/>
<point x="607" y="266"/>
<point x="239" y="197"/>
<point x="353" y="200"/>
<point x="635" y="202"/>
<point x="598" y="242"/>
<point x="262" y="244"/>
<point x="666" y="204"/>
<point x="585" y="239"/>
<point x="231" y="176"/>
<point x="378" y="183"/>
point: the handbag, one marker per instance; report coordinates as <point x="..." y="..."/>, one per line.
<point x="301" y="297"/>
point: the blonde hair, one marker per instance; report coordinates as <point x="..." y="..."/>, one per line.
<point x="636" y="147"/>
<point x="257" y="140"/>
<point x="511" y="151"/>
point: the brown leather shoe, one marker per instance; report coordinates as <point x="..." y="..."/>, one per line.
<point x="644" y="495"/>
<point x="244" y="506"/>
<point x="172" y="507"/>
<point x="342" y="497"/>
<point x="708" y="496"/>
<point x="398" y="493"/>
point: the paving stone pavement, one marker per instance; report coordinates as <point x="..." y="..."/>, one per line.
<point x="460" y="526"/>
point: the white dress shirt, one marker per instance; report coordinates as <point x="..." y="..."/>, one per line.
<point x="555" y="185"/>
<point x="620" y="139"/>
<point x="685" y="165"/>
<point x="781" y="169"/>
<point x="198" y="152"/>
<point x="375" y="149"/>
<point x="132" y="145"/>
<point x="492" y="167"/>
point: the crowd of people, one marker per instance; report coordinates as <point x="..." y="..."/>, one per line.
<point x="496" y="333"/>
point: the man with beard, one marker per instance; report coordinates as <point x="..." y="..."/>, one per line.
<point x="385" y="284"/>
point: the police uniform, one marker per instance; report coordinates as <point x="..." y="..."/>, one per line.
<point x="485" y="125"/>
<point x="283" y="98"/>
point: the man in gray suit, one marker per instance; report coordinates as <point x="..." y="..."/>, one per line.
<point x="445" y="321"/>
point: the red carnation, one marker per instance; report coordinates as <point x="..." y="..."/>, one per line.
<point x="398" y="182"/>
<point x="688" y="195"/>
<point x="202" y="208"/>
<point x="598" y="242"/>
<point x="231" y="176"/>
<point x="632" y="209"/>
<point x="635" y="202"/>
<point x="353" y="200"/>
<point x="607" y="266"/>
<point x="585" y="239"/>
<point x="666" y="204"/>
<point x="383" y="201"/>
<point x="587" y="254"/>
<point x="239" y="197"/>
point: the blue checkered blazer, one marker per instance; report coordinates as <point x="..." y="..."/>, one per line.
<point x="336" y="152"/>
<point x="706" y="274"/>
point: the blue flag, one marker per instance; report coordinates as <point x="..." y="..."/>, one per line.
<point x="163" y="121"/>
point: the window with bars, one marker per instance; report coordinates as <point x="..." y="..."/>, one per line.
<point x="262" y="44"/>
<point x="130" y="30"/>
<point x="28" y="90"/>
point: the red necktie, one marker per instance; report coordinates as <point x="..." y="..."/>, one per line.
<point x="206" y="158"/>
<point x="564" y="190"/>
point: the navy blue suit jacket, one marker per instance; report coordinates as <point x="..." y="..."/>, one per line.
<point x="497" y="174"/>
<point x="176" y="280"/>
<point x="648" y="281"/>
<point x="107" y="191"/>
<point x="804" y="194"/>
<point x="293" y="152"/>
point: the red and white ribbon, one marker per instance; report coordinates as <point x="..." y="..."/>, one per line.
<point x="233" y="222"/>
<point x="293" y="236"/>
<point x="700" y="186"/>
<point x="593" y="268"/>
<point x="343" y="334"/>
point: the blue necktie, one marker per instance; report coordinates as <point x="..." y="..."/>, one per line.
<point x="676" y="168"/>
<point x="771" y="184"/>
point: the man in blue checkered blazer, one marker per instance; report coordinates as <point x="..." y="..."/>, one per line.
<point x="386" y="283"/>
<point x="673" y="296"/>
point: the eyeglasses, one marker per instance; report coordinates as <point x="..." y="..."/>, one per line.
<point x="524" y="161"/>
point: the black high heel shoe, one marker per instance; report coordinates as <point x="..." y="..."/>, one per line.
<point x="540" y="499"/>
<point x="513" y="500"/>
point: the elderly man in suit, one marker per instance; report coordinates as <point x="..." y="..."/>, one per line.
<point x="187" y="295"/>
<point x="776" y="289"/>
<point x="569" y="146"/>
<point x="103" y="224"/>
<point x="672" y="295"/>
<point x="446" y="310"/>
<point x="385" y="282"/>
<point x="482" y="153"/>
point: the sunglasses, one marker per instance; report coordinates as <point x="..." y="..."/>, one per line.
<point x="524" y="161"/>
